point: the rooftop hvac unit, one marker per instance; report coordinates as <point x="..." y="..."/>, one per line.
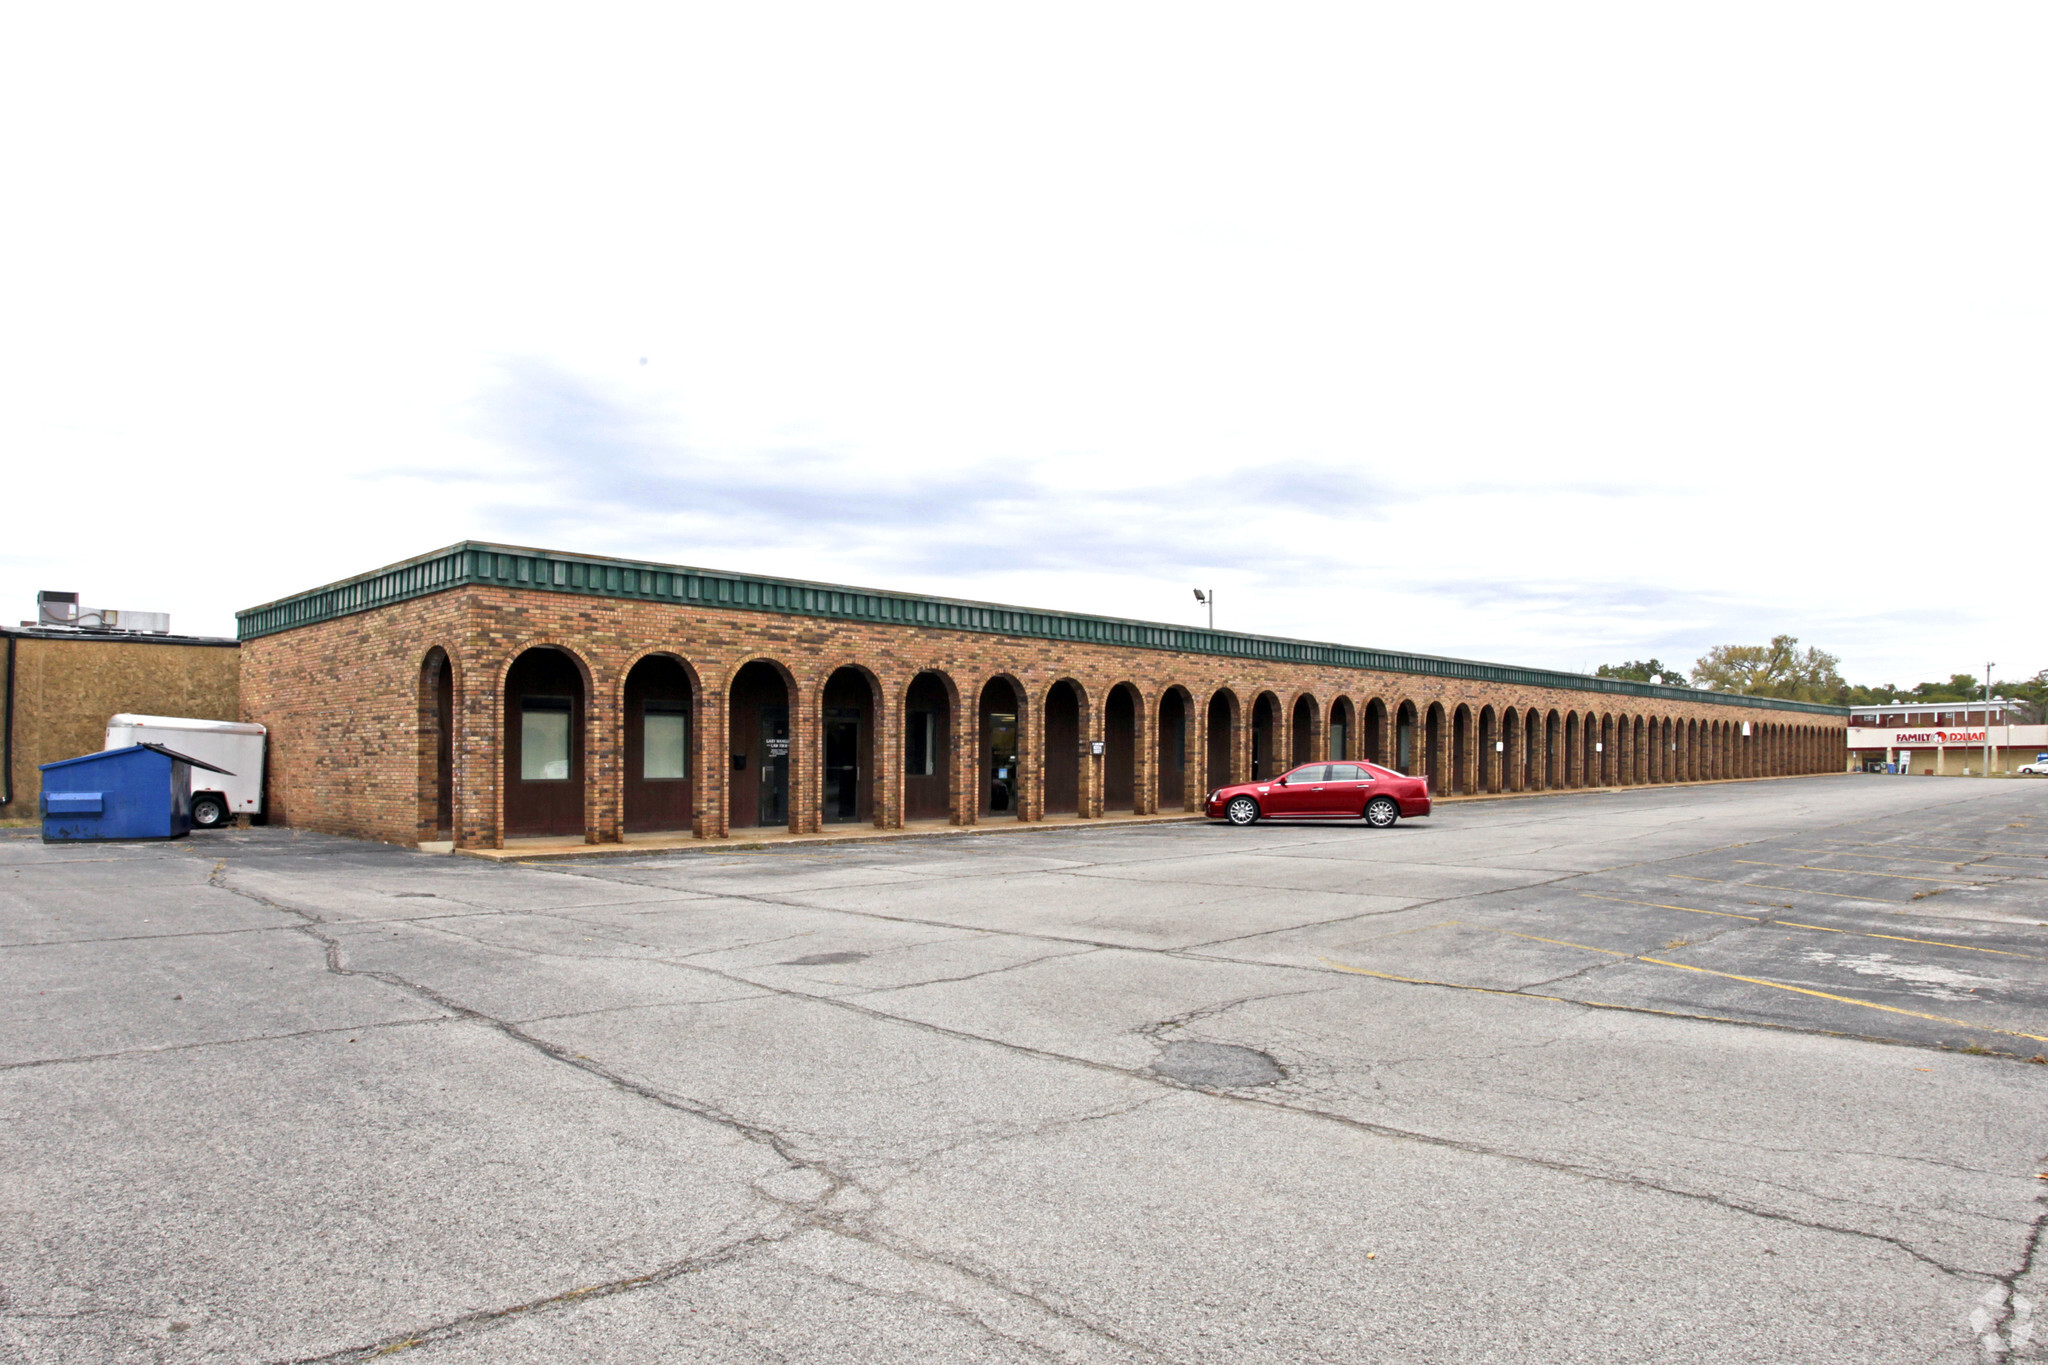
<point x="63" y="609"/>
<point x="57" y="608"/>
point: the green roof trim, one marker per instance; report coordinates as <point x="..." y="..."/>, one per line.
<point x="479" y="564"/>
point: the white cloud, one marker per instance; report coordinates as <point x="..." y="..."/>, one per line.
<point x="1546" y="334"/>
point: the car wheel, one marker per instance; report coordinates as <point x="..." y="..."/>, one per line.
<point x="1242" y="810"/>
<point x="209" y="812"/>
<point x="1381" y="812"/>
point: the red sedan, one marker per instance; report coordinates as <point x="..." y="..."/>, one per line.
<point x="1324" y="791"/>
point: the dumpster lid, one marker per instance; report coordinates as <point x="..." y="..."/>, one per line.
<point x="186" y="758"/>
<point x="155" y="748"/>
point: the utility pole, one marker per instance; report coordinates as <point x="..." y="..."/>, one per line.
<point x="1987" y="718"/>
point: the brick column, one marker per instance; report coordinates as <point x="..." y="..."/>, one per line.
<point x="1031" y="757"/>
<point x="603" y="735"/>
<point x="1093" y="728"/>
<point x="712" y="790"/>
<point x="806" y="757"/>
<point x="963" y="758"/>
<point x="1145" y="759"/>
<point x="1241" y="742"/>
<point x="476" y="754"/>
<point x="887" y="744"/>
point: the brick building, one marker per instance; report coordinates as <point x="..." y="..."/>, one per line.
<point x="484" y="692"/>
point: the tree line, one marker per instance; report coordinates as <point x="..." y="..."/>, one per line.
<point x="1782" y="669"/>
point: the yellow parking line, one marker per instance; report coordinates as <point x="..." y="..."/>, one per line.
<point x="1659" y="905"/>
<point x="1851" y="871"/>
<point x="1781" y="986"/>
<point x="1885" y="857"/>
<point x="1938" y="848"/>
<point x="1337" y="966"/>
<point x="1818" y="928"/>
<point x="1801" y="890"/>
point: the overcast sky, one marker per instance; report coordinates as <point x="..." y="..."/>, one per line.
<point x="1549" y="334"/>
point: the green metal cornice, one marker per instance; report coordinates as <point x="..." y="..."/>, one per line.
<point x="478" y="564"/>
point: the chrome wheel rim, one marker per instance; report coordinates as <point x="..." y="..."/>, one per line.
<point x="1243" y="811"/>
<point x="1381" y="813"/>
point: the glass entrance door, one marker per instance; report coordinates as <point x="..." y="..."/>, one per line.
<point x="1002" y="762"/>
<point x="774" y="765"/>
<point x="842" y="763"/>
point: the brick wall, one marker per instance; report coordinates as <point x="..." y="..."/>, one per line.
<point x="353" y="724"/>
<point x="66" y="688"/>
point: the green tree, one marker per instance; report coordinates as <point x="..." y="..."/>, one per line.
<point x="1779" y="669"/>
<point x="1643" y="670"/>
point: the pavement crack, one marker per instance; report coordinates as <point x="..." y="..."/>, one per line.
<point x="484" y="1319"/>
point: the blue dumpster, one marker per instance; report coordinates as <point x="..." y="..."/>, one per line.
<point x="141" y="792"/>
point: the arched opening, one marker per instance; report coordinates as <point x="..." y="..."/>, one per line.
<point x="1120" y="748"/>
<point x="1173" y="750"/>
<point x="1343" y="731"/>
<point x="1002" y="746"/>
<point x="1406" y="740"/>
<point x="544" y="710"/>
<point x="1610" y="757"/>
<point x="1375" y="741"/>
<point x="437" y="747"/>
<point x="1435" y="735"/>
<point x="759" y="736"/>
<point x="1265" y="713"/>
<point x="1302" y="729"/>
<point x="928" y="747"/>
<point x="1222" y="736"/>
<point x="1574" y="752"/>
<point x="1063" y="749"/>
<point x="1639" y="745"/>
<point x="1514" y="766"/>
<point x="1553" y="756"/>
<point x="1464" y="771"/>
<point x="846" y="748"/>
<point x="660" y="778"/>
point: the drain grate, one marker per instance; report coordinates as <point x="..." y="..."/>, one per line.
<point x="1218" y="1066"/>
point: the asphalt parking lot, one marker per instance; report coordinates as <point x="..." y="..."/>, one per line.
<point x="1727" y="1073"/>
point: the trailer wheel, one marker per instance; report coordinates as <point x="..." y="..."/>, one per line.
<point x="209" y="811"/>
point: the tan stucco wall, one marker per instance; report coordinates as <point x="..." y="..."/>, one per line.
<point x="65" y="689"/>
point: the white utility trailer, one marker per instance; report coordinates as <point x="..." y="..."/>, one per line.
<point x="217" y="798"/>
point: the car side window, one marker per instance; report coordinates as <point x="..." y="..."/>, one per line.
<point x="1302" y="776"/>
<point x="1348" y="772"/>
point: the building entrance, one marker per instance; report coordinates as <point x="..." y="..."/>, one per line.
<point x="1002" y="761"/>
<point x="774" y="765"/>
<point x="842" y="763"/>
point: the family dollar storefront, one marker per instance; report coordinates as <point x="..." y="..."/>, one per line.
<point x="1946" y="741"/>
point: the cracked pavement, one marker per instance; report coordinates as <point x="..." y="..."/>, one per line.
<point x="1728" y="1073"/>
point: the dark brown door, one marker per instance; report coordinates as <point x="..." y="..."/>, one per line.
<point x="544" y="745"/>
<point x="660" y="781"/>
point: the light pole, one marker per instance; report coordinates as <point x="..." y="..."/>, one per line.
<point x="1209" y="598"/>
<point x="1987" y="718"/>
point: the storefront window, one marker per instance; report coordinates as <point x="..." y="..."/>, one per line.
<point x="920" y="743"/>
<point x="665" y="741"/>
<point x="544" y="739"/>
